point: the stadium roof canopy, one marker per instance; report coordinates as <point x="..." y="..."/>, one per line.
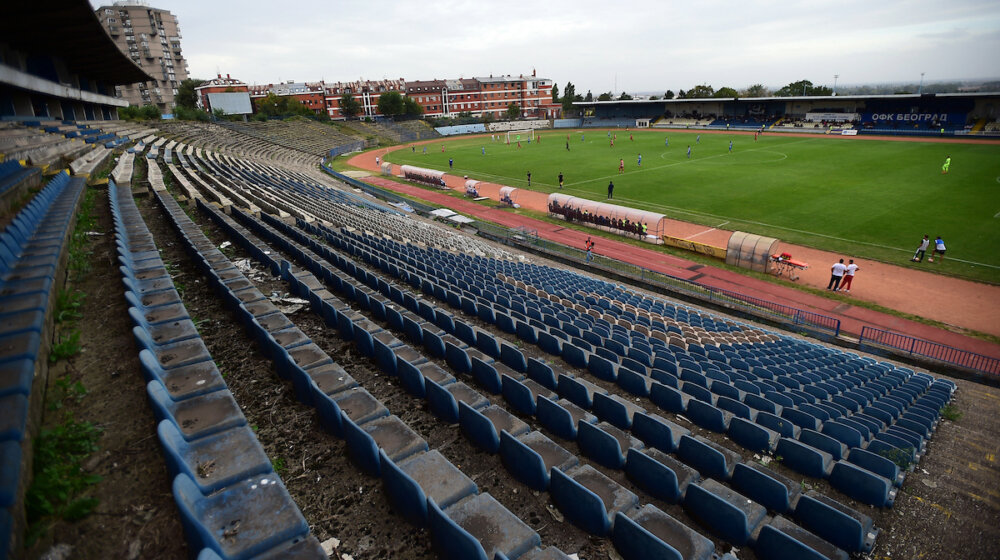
<point x="73" y="33"/>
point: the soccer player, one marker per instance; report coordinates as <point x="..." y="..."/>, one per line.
<point x="689" y="151"/>
<point x="529" y="178"/>
<point x="451" y="163"/>
<point x="630" y="138"/>
<point x="484" y="150"/>
<point x="560" y="179"/>
<point x="666" y="142"/>
<point x="947" y="164"/>
<point x="581" y="137"/>
<point x="698" y="139"/>
<point x="621" y="166"/>
<point x="442" y="148"/>
<point x="567" y="145"/>
<point x="639" y="163"/>
<point x="730" y="146"/>
<point x="425" y="150"/>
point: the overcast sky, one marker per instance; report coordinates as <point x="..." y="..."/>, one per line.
<point x="620" y="45"/>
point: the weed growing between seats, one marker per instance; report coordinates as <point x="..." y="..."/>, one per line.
<point x="67" y="347"/>
<point x="79" y="245"/>
<point x="59" y="480"/>
<point x="902" y="457"/>
<point x="65" y="390"/>
<point x="68" y="303"/>
<point x="951" y="412"/>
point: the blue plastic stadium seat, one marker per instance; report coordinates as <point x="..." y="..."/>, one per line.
<point x="411" y="482"/>
<point x="725" y="512"/>
<point x="843" y="527"/>
<point x="863" y="485"/>
<point x="531" y="457"/>
<point x="574" y="494"/>
<point x="711" y="460"/>
<point x="260" y="507"/>
<point x="803" y="458"/>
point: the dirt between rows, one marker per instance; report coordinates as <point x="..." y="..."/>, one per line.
<point x="948" y="508"/>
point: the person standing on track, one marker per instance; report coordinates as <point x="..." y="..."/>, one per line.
<point x="836" y="275"/>
<point x="849" y="276"/>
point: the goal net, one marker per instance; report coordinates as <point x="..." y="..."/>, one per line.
<point x="515" y="136"/>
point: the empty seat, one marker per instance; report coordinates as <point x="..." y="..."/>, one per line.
<point x="725" y="512"/>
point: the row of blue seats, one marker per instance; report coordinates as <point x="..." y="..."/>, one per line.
<point x="525" y="394"/>
<point x="489" y="426"/>
<point x="223" y="479"/>
<point x="12" y="174"/>
<point x="806" y="459"/>
<point x="423" y="485"/>
<point x="32" y="251"/>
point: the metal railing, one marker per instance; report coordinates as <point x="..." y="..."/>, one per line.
<point x="873" y="337"/>
<point x="347" y="148"/>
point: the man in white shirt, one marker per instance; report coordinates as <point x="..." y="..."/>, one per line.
<point x="922" y="249"/>
<point x="836" y="275"/>
<point x="849" y="276"/>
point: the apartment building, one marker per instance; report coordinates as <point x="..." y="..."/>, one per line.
<point x="151" y="37"/>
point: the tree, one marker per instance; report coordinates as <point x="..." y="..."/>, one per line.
<point x="700" y="91"/>
<point x="349" y="106"/>
<point x="555" y="93"/>
<point x="756" y="90"/>
<point x="669" y="94"/>
<point x="654" y="97"/>
<point x="680" y="95"/>
<point x="624" y="97"/>
<point x="513" y="112"/>
<point x="803" y="87"/>
<point x="413" y="109"/>
<point x="589" y="97"/>
<point x="606" y="96"/>
<point x="390" y="104"/>
<point x="186" y="96"/>
<point x="569" y="94"/>
<point x="726" y="92"/>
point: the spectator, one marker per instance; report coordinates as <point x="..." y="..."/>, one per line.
<point x="836" y="275"/>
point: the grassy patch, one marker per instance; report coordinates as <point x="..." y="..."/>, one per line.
<point x="902" y="457"/>
<point x="59" y="480"/>
<point x="79" y="245"/>
<point x="67" y="347"/>
<point x="279" y="466"/>
<point x="68" y="304"/>
<point x="65" y="391"/>
<point x="951" y="412"/>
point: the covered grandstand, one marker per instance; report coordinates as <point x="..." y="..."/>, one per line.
<point x="904" y="114"/>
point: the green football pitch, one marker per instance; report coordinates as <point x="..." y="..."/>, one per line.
<point x="863" y="198"/>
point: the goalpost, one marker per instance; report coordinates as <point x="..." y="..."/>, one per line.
<point x="515" y="136"/>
